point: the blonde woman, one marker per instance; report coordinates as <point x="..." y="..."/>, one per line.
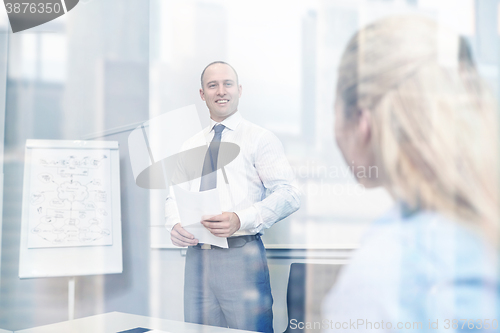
<point x="410" y="103"/>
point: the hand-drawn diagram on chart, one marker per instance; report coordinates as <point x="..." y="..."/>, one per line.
<point x="70" y="202"/>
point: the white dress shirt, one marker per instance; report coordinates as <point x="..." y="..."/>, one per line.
<point x="259" y="180"/>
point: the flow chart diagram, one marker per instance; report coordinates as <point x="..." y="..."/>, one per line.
<point x="70" y="198"/>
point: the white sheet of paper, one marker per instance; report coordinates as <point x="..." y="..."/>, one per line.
<point x="193" y="206"/>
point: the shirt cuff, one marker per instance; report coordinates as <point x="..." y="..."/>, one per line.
<point x="170" y="224"/>
<point x="248" y="218"/>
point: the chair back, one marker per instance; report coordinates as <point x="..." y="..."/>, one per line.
<point x="307" y="286"/>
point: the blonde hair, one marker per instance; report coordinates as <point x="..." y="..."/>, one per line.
<point x="434" y="121"/>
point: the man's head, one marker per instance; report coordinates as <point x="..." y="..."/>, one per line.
<point x="220" y="90"/>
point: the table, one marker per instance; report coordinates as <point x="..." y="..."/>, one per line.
<point x="113" y="322"/>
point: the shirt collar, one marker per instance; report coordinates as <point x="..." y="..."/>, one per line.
<point x="230" y="122"/>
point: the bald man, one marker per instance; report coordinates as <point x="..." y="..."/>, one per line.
<point x="230" y="287"/>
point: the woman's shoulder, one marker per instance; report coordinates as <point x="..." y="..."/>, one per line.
<point x="414" y="263"/>
<point x="431" y="236"/>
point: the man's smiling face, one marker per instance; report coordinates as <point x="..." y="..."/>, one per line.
<point x="221" y="91"/>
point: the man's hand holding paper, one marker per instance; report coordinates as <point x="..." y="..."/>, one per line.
<point x="180" y="237"/>
<point x="193" y="208"/>
<point x="223" y="225"/>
